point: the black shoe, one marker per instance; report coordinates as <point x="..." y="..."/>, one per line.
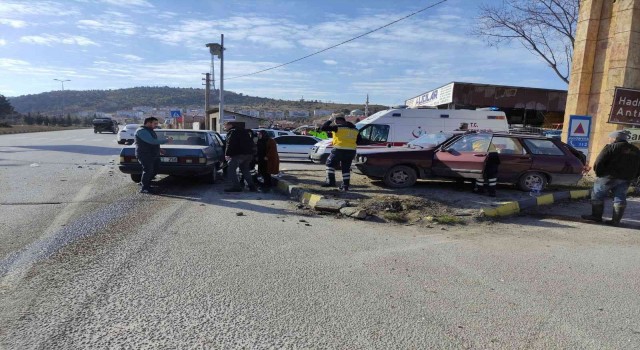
<point x="233" y="189"/>
<point x="597" y="208"/>
<point x="618" y="212"/>
<point x="344" y="188"/>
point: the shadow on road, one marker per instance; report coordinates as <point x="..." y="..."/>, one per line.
<point x="80" y="149"/>
<point x="195" y="190"/>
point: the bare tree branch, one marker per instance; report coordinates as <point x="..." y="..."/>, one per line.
<point x="544" y="27"/>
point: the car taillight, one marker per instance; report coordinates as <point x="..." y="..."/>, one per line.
<point x="203" y="160"/>
<point x="128" y="159"/>
<point x="121" y="159"/>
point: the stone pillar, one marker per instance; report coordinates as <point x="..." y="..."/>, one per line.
<point x="606" y="55"/>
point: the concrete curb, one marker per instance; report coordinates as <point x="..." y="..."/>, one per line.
<point x="512" y="208"/>
<point x="314" y="201"/>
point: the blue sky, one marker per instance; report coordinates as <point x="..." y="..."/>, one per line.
<point x="108" y="44"/>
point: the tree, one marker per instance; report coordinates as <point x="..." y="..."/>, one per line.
<point x="544" y="27"/>
<point x="6" y="108"/>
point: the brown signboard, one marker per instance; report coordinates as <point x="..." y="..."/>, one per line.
<point x="626" y="107"/>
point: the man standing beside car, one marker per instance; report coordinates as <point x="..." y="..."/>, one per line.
<point x="239" y="153"/>
<point x="345" y="140"/>
<point x="148" y="151"/>
<point x="616" y="166"/>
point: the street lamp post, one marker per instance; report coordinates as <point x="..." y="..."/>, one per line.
<point x="62" y="82"/>
<point x="218" y="50"/>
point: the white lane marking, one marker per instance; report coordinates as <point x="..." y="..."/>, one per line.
<point x="27" y="257"/>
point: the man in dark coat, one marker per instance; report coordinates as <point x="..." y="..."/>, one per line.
<point x="268" y="159"/>
<point x="239" y="153"/>
<point x="148" y="151"/>
<point x="616" y="166"/>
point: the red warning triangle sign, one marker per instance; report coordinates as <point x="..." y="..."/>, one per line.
<point x="579" y="129"/>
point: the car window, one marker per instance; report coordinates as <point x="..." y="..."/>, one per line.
<point x="543" y="147"/>
<point x="472" y="143"/>
<point x="215" y="139"/>
<point x="430" y="140"/>
<point x="283" y="133"/>
<point x="284" y="140"/>
<point x="184" y="138"/>
<point x="301" y="140"/>
<point x="375" y="133"/>
<point x="508" y="145"/>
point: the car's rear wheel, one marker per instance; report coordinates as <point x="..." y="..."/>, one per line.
<point x="136" y="177"/>
<point x="531" y="181"/>
<point x="400" y="176"/>
<point x="95" y="131"/>
<point x="212" y="177"/>
<point x="120" y="142"/>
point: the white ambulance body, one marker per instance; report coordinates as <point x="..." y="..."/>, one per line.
<point x="396" y="127"/>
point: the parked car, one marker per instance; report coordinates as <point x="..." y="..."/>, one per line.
<point x="396" y="127"/>
<point x="296" y="146"/>
<point x="192" y="153"/>
<point x="275" y="133"/>
<point x="528" y="161"/>
<point x="101" y="125"/>
<point x="128" y="134"/>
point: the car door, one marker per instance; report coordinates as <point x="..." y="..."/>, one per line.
<point x="215" y="149"/>
<point x="463" y="158"/>
<point x="301" y="145"/>
<point x="514" y="158"/>
<point x="284" y="143"/>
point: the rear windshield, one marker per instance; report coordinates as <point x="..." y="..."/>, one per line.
<point x="184" y="137"/>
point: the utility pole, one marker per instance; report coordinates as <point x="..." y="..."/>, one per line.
<point x="366" y="107"/>
<point x="62" y="82"/>
<point x="207" y="100"/>
<point x="221" y="119"/>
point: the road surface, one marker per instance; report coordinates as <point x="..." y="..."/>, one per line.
<point x="86" y="262"/>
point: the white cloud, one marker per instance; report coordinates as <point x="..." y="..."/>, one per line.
<point x="3" y="42"/>
<point x="330" y="62"/>
<point x="109" y="25"/>
<point x="132" y="58"/>
<point x="49" y="40"/>
<point x="45" y="8"/>
<point x="15" y="23"/>
<point x="128" y="3"/>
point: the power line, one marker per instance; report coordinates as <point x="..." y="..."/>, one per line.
<point x="342" y="43"/>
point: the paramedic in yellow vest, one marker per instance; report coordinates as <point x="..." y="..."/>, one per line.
<point x="345" y="139"/>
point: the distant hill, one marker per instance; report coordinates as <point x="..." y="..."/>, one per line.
<point x="124" y="99"/>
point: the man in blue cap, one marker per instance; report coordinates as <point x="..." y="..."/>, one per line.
<point x="616" y="166"/>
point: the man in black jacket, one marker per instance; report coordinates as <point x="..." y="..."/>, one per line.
<point x="239" y="153"/>
<point x="616" y="166"/>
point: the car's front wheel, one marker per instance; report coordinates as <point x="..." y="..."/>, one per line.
<point x="400" y="176"/>
<point x="532" y="181"/>
<point x="136" y="177"/>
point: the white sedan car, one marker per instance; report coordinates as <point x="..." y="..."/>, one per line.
<point x="295" y="146"/>
<point x="128" y="134"/>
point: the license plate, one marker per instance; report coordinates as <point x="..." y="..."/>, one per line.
<point x="169" y="159"/>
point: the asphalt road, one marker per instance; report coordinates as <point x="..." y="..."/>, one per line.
<point x="88" y="263"/>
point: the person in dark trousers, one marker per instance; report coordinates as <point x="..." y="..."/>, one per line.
<point x="148" y="151"/>
<point x="489" y="179"/>
<point x="616" y="166"/>
<point x="268" y="159"/>
<point x="239" y="153"/>
<point x="345" y="140"/>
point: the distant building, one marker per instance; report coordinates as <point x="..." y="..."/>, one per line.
<point x="229" y="116"/>
<point x="522" y="105"/>
<point x="356" y="113"/>
<point x="321" y="112"/>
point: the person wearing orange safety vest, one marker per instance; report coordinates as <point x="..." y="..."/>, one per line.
<point x="345" y="140"/>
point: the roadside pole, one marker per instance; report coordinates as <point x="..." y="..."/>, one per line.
<point x="207" y="102"/>
<point x="221" y="116"/>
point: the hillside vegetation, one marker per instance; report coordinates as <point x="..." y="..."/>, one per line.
<point x="124" y="99"/>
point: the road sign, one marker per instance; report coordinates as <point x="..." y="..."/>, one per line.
<point x="625" y="108"/>
<point x="176" y="114"/>
<point x="579" y="132"/>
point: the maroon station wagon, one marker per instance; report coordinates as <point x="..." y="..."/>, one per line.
<point x="528" y="161"/>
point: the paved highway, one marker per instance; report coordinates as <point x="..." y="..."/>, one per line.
<point x="88" y="263"/>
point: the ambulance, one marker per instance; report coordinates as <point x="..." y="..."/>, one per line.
<point x="396" y="127"/>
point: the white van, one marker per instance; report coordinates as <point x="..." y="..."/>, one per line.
<point x="396" y="127"/>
